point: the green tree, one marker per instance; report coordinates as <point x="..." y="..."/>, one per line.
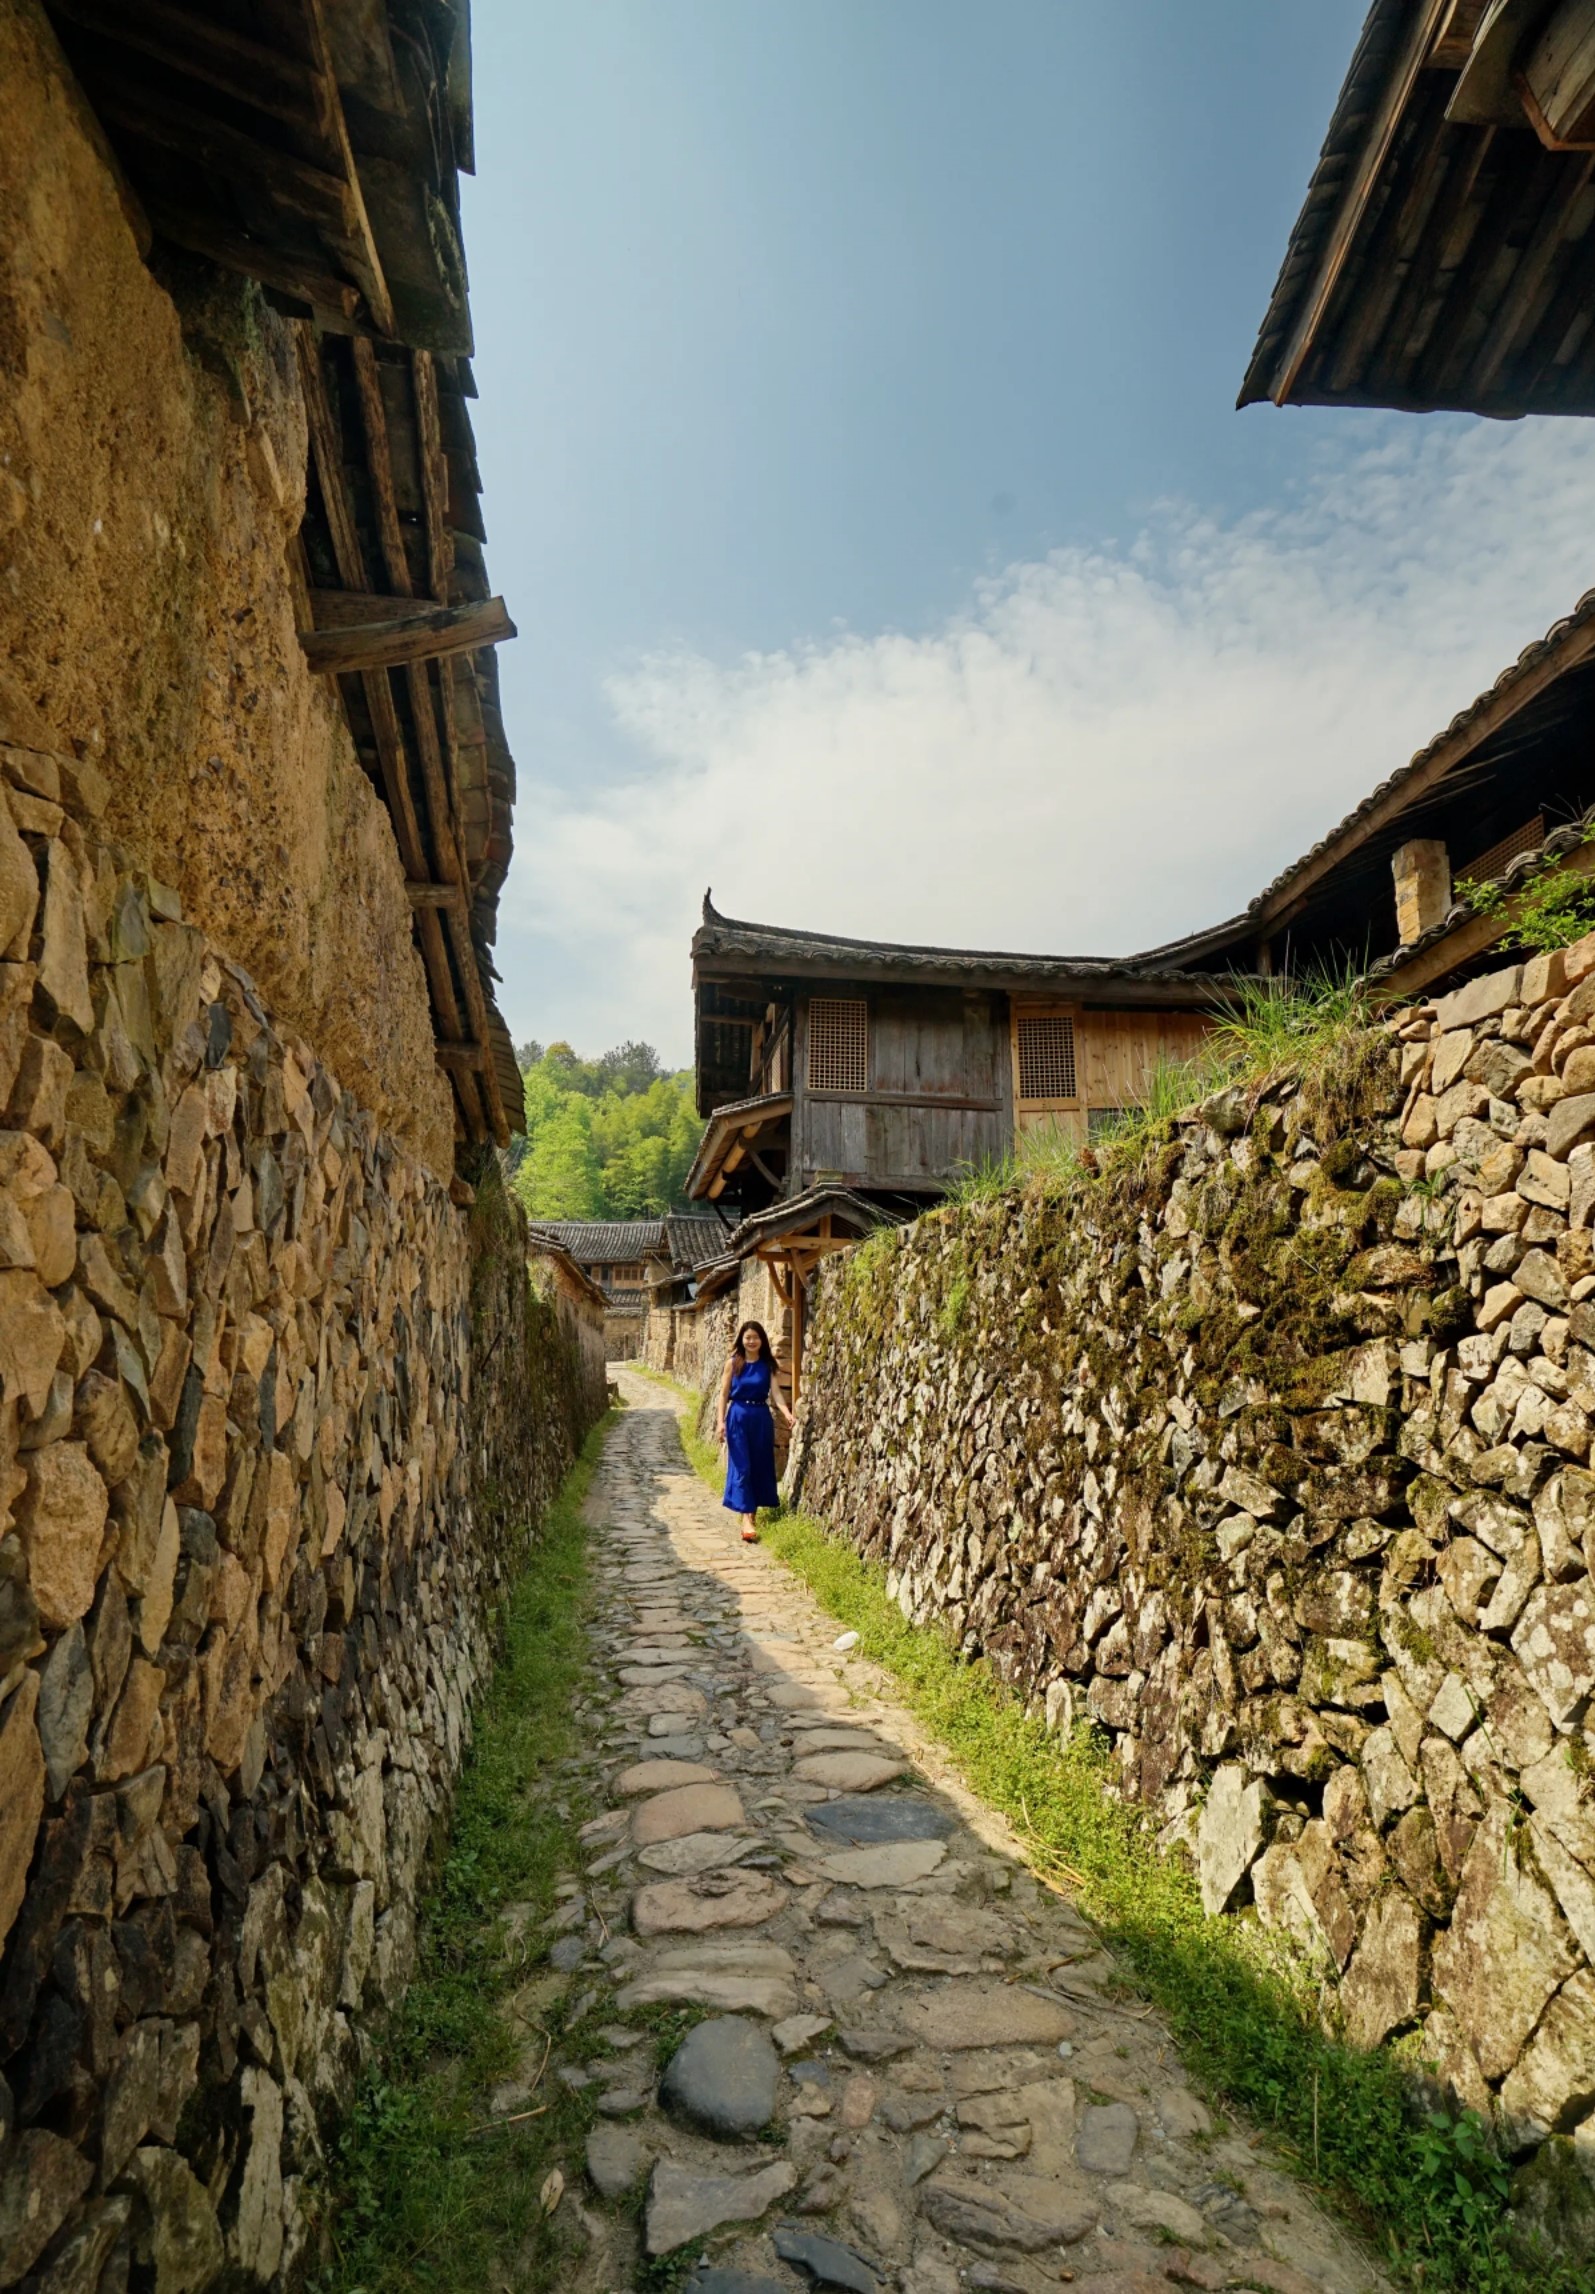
<point x="559" y="1178"/>
<point x="611" y="1138"/>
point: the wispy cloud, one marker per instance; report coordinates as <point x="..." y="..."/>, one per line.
<point x="1104" y="749"/>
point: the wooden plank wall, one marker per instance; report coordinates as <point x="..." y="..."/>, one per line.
<point x="939" y="1098"/>
<point x="1116" y="1056"/>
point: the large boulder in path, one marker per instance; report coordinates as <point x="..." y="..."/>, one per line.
<point x="723" y="2077"/>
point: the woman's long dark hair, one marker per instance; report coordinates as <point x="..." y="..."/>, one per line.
<point x="768" y="1351"/>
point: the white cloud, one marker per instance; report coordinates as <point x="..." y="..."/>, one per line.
<point x="1104" y="750"/>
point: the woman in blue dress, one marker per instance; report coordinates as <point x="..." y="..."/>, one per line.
<point x="746" y="1429"/>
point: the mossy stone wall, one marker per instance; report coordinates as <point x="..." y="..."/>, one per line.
<point x="1265" y="1451"/>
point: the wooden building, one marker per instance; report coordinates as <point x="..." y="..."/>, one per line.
<point x="1445" y="255"/>
<point x="846" y="1082"/>
<point x="622" y="1257"/>
<point x="825" y="1062"/>
<point x="1505" y="789"/>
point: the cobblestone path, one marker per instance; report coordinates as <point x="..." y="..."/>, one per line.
<point x="915" y="2068"/>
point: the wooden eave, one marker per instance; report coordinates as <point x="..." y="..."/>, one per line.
<point x="734" y="1130"/>
<point x="377" y="537"/>
<point x="765" y="959"/>
<point x="1543" y="688"/>
<point x="1439" y="261"/>
<point x="577" y="1277"/>
<point x="314" y="146"/>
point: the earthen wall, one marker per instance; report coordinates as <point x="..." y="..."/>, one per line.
<point x="152" y="481"/>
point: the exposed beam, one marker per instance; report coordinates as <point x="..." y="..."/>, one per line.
<point x="327" y="452"/>
<point x="332" y="203"/>
<point x="461" y="1053"/>
<point x="196" y="46"/>
<point x="379" y="456"/>
<point x="1528" y="276"/>
<point x="393" y="641"/>
<point x="451" y="924"/>
<point x="311" y="192"/>
<point x="1390" y="353"/>
<point x="367" y="262"/>
<point x="1576" y="648"/>
<point x="434" y="475"/>
<point x="433" y="895"/>
<point x="254" y="260"/>
<point x="1359" y="188"/>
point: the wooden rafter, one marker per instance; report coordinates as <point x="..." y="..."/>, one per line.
<point x="294" y="154"/>
<point x="246" y="70"/>
<point x="428" y="843"/>
<point x="395" y="639"/>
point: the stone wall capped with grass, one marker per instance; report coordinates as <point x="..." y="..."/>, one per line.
<point x="1263" y="1443"/>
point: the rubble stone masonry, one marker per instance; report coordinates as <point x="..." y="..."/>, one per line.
<point x="1270" y="1454"/>
<point x="259" y="1507"/>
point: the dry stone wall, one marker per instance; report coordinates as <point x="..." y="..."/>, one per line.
<point x="1268" y="1452"/>
<point x="258" y="1510"/>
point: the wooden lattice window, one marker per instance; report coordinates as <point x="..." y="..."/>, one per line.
<point x="838" y="1044"/>
<point x="1490" y="863"/>
<point x="1046" y="1055"/>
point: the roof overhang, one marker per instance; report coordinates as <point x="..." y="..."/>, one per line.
<point x="797" y="1232"/>
<point x="727" y="951"/>
<point x="1567" y="646"/>
<point x="1441" y="258"/>
<point x="315" y="147"/>
<point x="733" y="1135"/>
<point x="576" y="1276"/>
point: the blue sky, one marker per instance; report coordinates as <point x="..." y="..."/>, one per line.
<point x="856" y="419"/>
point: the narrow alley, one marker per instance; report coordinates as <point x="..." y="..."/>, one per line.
<point x="915" y="2064"/>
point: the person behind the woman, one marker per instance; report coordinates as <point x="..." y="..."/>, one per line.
<point x="746" y="1429"/>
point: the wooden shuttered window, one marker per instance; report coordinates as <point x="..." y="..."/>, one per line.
<point x="1045" y="1044"/>
<point x="838" y="1044"/>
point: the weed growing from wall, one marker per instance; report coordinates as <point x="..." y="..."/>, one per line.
<point x="423" y="2193"/>
<point x="1426" y="2186"/>
<point x="1552" y="910"/>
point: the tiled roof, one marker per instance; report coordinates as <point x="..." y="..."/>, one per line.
<point x="1558" y="638"/>
<point x="605" y="1242"/>
<point x="778" y="945"/>
<point x="693" y="1237"/>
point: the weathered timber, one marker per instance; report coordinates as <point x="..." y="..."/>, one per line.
<point x="333" y="300"/>
<point x="393" y="640"/>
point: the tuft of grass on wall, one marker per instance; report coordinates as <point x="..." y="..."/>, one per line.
<point x="1428" y="2187"/>
<point x="1271" y="1027"/>
<point x="422" y="2192"/>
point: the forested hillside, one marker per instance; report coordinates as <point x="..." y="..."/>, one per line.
<point x="606" y="1138"/>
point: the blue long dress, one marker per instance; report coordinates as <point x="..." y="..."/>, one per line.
<point x="750" y="1441"/>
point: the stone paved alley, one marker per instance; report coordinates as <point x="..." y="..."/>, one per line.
<point x="917" y="2068"/>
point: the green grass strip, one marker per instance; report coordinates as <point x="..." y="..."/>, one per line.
<point x="421" y="2195"/>
<point x="1425" y="2187"/>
